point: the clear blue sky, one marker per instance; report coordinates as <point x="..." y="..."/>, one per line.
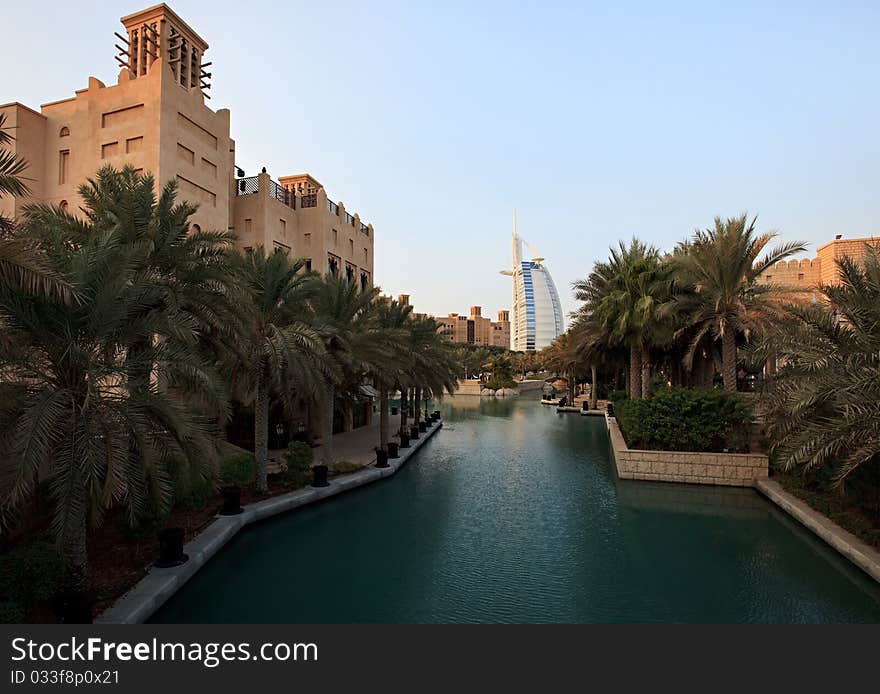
<point x="596" y="121"/>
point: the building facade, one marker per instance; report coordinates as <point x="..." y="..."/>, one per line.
<point x="155" y="119"/>
<point x="806" y="275"/>
<point x="537" y="311"/>
<point x="475" y="328"/>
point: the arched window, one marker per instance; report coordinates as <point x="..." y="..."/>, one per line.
<point x="65" y="131"/>
<point x="195" y="229"/>
<point x="63" y="206"/>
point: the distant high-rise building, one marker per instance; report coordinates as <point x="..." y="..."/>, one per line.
<point x="537" y="311"/>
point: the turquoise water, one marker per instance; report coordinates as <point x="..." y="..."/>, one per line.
<point x="512" y="513"/>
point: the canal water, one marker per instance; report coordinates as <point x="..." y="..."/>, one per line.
<point x="513" y="513"/>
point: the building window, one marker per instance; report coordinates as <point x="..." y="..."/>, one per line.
<point x="351" y="248"/>
<point x="195" y="229"/>
<point x="65" y="132"/>
<point x="63" y="165"/>
<point x="283" y="227"/>
<point x="366" y="255"/>
<point x="800" y="277"/>
<point x="248" y="226"/>
<point x="335" y="237"/>
<point x="308" y="264"/>
<point x="307" y="239"/>
<point x="63" y="206"/>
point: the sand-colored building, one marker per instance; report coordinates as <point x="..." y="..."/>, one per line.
<point x="476" y="329"/>
<point x="807" y="274"/>
<point x="155" y="118"/>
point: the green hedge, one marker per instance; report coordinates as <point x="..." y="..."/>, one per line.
<point x="239" y="469"/>
<point x="30" y="574"/>
<point x="298" y="457"/>
<point x="680" y="419"/>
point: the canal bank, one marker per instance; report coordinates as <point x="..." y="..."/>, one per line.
<point x="516" y="514"/>
<point x="160" y="584"/>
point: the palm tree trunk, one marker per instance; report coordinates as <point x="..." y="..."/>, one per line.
<point x="418" y="410"/>
<point x="728" y="359"/>
<point x="404" y="401"/>
<point x="73" y="532"/>
<point x="646" y="371"/>
<point x="261" y="429"/>
<point x="594" y="386"/>
<point x="327" y="446"/>
<point x="383" y="417"/>
<point x="635" y="370"/>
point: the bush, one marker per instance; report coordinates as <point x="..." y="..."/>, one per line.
<point x="343" y="467"/>
<point x="191" y="489"/>
<point x="679" y="419"/>
<point x="31" y="573"/>
<point x="238" y="470"/>
<point x="616" y="396"/>
<point x="298" y="457"/>
<point x="501" y="382"/>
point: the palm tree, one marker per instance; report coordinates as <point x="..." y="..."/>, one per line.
<point x="277" y="342"/>
<point x="392" y="320"/>
<point x="20" y="262"/>
<point x="717" y="272"/>
<point x="352" y="342"/>
<point x="824" y="401"/>
<point x="432" y="366"/>
<point x="69" y="410"/>
<point x="622" y="295"/>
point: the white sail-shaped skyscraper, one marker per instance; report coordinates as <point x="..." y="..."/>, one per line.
<point x="536" y="319"/>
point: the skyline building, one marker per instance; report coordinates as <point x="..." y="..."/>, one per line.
<point x="537" y="312"/>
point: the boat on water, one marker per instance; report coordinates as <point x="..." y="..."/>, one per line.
<point x="549" y="400"/>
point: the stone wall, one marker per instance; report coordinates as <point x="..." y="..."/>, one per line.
<point x="730" y="469"/>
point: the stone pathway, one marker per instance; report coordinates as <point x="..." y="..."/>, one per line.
<point x="354" y="446"/>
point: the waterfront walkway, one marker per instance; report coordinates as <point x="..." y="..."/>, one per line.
<point x="357" y="446"/>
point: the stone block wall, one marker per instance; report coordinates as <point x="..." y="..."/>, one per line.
<point x="730" y="469"/>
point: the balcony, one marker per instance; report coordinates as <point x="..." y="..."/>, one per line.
<point x="289" y="197"/>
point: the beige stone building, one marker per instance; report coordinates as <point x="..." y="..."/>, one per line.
<point x="807" y="274"/>
<point x="476" y="329"/>
<point x="155" y="118"/>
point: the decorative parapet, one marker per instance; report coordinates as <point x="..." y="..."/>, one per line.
<point x="688" y="467"/>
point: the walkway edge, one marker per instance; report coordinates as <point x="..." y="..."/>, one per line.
<point x="149" y="594"/>
<point x="858" y="552"/>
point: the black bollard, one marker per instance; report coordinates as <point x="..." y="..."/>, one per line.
<point x="319" y="476"/>
<point x="413" y="433"/>
<point x="381" y="457"/>
<point x="170" y="548"/>
<point x="404" y="440"/>
<point x="392" y="450"/>
<point x="423" y="427"/>
<point x="231" y="500"/>
<point x="394" y="410"/>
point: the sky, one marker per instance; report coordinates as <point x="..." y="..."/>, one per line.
<point x="596" y="121"/>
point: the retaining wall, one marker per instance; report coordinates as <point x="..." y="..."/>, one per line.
<point x="729" y="469"/>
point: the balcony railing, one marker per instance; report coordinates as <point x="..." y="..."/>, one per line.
<point x="365" y="229"/>
<point x="247" y="186"/>
<point x="332" y="207"/>
<point x="349" y="219"/>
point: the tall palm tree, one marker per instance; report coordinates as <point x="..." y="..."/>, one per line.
<point x="824" y="401"/>
<point x="68" y="408"/>
<point x="392" y="319"/>
<point x="352" y="342"/>
<point x="277" y="341"/>
<point x="717" y="272"/>
<point x="623" y="296"/>
<point x="433" y="368"/>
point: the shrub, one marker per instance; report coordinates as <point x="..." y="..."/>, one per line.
<point x="239" y="469"/>
<point x="616" y="396"/>
<point x="191" y="489"/>
<point x="501" y="382"/>
<point x="343" y="467"/>
<point x="298" y="457"/>
<point x="679" y="419"/>
<point x="31" y="573"/>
